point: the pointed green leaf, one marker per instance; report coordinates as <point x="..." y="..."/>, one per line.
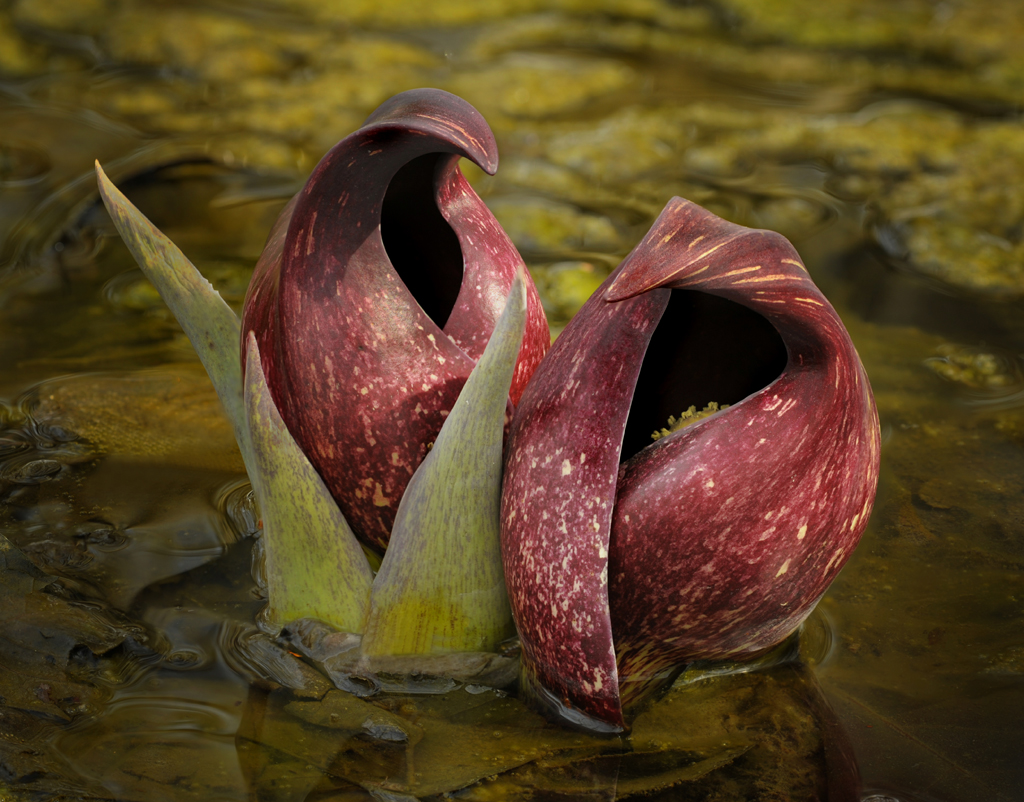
<point x="315" y="568"/>
<point x="441" y="587"/>
<point x="210" y="324"/>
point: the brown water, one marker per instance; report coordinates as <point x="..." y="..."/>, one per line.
<point x="884" y="140"/>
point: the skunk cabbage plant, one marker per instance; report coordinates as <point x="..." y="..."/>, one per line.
<point x="376" y="294"/>
<point x="626" y="560"/>
<point x="354" y="370"/>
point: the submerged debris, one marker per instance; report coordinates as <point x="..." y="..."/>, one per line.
<point x="976" y="368"/>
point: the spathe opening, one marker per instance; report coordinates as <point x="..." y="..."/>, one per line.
<point x="422" y="247"/>
<point x="704" y="349"/>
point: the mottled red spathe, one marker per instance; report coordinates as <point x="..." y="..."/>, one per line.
<point x="362" y="376"/>
<point x="714" y="542"/>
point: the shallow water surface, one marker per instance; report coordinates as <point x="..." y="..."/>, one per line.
<point x="885" y="141"/>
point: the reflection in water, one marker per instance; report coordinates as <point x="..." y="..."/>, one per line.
<point x="758" y="735"/>
<point x="989" y="378"/>
<point x="21" y="165"/>
<point x="817" y="638"/>
<point x="237" y="505"/>
<point x="169" y="737"/>
<point x="130" y="666"/>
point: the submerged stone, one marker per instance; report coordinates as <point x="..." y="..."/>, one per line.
<point x="171" y="416"/>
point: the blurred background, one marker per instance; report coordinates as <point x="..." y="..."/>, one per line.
<point x="883" y="138"/>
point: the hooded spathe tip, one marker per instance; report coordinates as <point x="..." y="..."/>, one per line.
<point x="444" y="115"/>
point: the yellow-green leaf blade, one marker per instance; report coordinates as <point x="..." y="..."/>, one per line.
<point x="441" y="587"/>
<point x="314" y="567"/>
<point x="208" y="322"/>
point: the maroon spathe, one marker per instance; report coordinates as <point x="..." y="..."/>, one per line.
<point x="361" y="374"/>
<point x="714" y="542"/>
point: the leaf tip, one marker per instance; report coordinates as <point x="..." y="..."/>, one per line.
<point x="102" y="180"/>
<point x="253" y="362"/>
<point x="112" y="197"/>
<point x="519" y="284"/>
<point x="623" y="287"/>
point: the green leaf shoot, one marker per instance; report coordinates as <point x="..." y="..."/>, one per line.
<point x="208" y="322"/>
<point x="314" y="566"/>
<point x="441" y="587"/>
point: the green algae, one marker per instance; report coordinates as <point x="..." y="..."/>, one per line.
<point x="975" y="367"/>
<point x="275" y="97"/>
<point x="534" y="85"/>
<point x="539" y="226"/>
<point x="565" y="287"/>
